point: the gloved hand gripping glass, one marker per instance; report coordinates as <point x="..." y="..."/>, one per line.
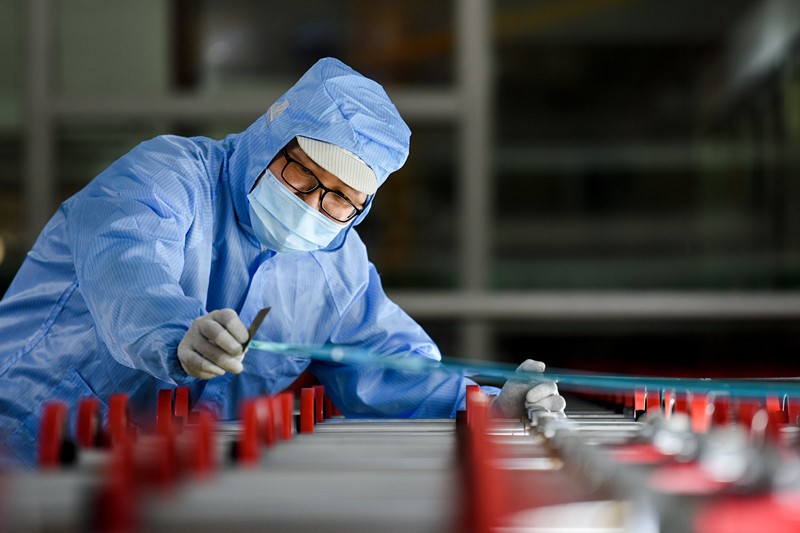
<point x="519" y="395"/>
<point x="214" y="344"/>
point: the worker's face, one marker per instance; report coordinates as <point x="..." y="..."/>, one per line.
<point x="334" y="207"/>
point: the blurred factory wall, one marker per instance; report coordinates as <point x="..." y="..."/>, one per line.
<point x="606" y="184"/>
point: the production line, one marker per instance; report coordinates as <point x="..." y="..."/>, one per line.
<point x="628" y="460"/>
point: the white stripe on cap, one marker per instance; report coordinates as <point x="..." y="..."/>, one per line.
<point x="343" y="164"/>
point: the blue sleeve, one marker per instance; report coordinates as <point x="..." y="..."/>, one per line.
<point x="375" y="323"/>
<point x="127" y="234"/>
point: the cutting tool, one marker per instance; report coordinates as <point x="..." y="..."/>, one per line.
<point x="251" y="331"/>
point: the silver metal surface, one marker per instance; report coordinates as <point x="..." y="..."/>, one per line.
<point x="473" y="20"/>
<point x="553" y="306"/>
<point x="345" y="479"/>
<point x="422" y="105"/>
<point x="38" y="171"/>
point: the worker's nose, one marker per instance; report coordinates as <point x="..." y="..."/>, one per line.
<point x="313" y="199"/>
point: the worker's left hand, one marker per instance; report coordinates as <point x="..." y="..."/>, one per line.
<point x="519" y="395"/>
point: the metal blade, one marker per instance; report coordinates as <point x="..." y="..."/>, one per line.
<point x="251" y="331"/>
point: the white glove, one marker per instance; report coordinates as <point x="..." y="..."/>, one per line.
<point x="214" y="345"/>
<point x="519" y="395"/>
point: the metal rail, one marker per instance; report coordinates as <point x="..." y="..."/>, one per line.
<point x="597" y="305"/>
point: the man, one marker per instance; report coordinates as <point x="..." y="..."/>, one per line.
<point x="146" y="277"/>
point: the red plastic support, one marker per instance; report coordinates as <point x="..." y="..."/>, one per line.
<point x="700" y="414"/>
<point x="307" y="410"/>
<point x="117" y="507"/>
<point x="52" y="432"/>
<point x="681" y="403"/>
<point x="488" y="493"/>
<point x="774" y="404"/>
<point x="767" y="511"/>
<point x="275" y="416"/>
<point x="287" y="412"/>
<point x="182" y="404"/>
<point x="775" y="420"/>
<point x="266" y="417"/>
<point x="765" y="425"/>
<point x="118" y="418"/>
<point x="628" y="400"/>
<point x="164" y="409"/>
<point x="639" y="394"/>
<point x="88" y="422"/>
<point x="722" y="410"/>
<point x="793" y="409"/>
<point x="328" y="407"/>
<point x="162" y="465"/>
<point x="747" y="409"/>
<point x="249" y="441"/>
<point x="652" y="402"/>
<point x="618" y="400"/>
<point x="203" y="450"/>
<point x="319" y="403"/>
<point x="669" y="403"/>
<point x="472" y="394"/>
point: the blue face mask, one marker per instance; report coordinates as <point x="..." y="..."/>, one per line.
<point x="284" y="223"/>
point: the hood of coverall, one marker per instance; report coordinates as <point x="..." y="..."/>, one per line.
<point x="331" y="102"/>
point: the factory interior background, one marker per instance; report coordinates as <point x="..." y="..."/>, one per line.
<point x="610" y="185"/>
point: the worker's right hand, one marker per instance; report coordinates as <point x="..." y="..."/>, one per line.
<point x="528" y="392"/>
<point x="214" y="345"/>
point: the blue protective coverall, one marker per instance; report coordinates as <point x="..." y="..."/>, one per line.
<point x="163" y="236"/>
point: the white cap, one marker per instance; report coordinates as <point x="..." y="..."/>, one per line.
<point x="343" y="164"/>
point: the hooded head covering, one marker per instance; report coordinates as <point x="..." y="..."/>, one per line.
<point x="343" y="164"/>
<point x="332" y="103"/>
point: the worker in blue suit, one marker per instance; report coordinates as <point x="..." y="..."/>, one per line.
<point x="145" y="278"/>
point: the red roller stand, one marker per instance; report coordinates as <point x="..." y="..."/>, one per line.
<point x="307" y="410"/>
<point x="639" y="396"/>
<point x="488" y="498"/>
<point x="88" y="422"/>
<point x="775" y="421"/>
<point x="163" y="467"/>
<point x="276" y="409"/>
<point x="681" y="402"/>
<point x="652" y="402"/>
<point x="118" y="419"/>
<point x="287" y="411"/>
<point x="164" y="409"/>
<point x="767" y="513"/>
<point x="722" y="410"/>
<point x="319" y="403"/>
<point x="182" y="404"/>
<point x="764" y="424"/>
<point x="266" y="419"/>
<point x="793" y="409"/>
<point x="669" y="403"/>
<point x="249" y="441"/>
<point x="746" y="410"/>
<point x="774" y="403"/>
<point x="628" y="400"/>
<point x="204" y="458"/>
<point x="472" y="392"/>
<point x="700" y="413"/>
<point x="52" y="432"/>
<point x="116" y="507"/>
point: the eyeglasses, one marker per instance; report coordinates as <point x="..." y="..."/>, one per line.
<point x="335" y="204"/>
